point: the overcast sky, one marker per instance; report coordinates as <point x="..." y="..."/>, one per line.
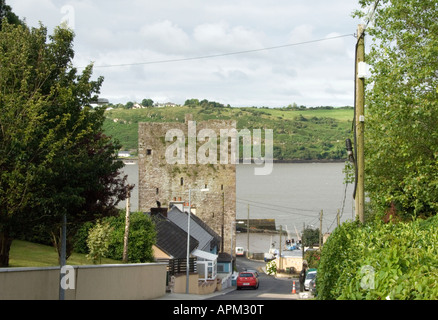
<point x="144" y="49"/>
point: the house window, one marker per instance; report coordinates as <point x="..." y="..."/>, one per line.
<point x="149" y="152"/>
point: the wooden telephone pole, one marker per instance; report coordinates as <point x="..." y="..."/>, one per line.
<point x="126" y="235"/>
<point x="360" y="122"/>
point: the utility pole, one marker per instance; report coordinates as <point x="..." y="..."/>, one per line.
<point x="223" y="223"/>
<point x="320" y="230"/>
<point x="360" y="119"/>
<point x="127" y="222"/>
<point x="302" y="240"/>
<point x="247" y="235"/>
<point x="281" y="244"/>
<point x="63" y="254"/>
<point x="338" y="218"/>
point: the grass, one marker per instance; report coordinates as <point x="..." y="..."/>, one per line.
<point x="299" y="134"/>
<point x="28" y="254"/>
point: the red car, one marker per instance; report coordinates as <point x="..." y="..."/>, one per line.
<point x="247" y="279"/>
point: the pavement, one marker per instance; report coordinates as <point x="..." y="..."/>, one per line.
<point x="185" y="296"/>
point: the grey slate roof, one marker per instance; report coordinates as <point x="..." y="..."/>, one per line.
<point x="171" y="238"/>
<point x="198" y="229"/>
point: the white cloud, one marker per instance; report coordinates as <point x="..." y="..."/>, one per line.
<point x="135" y="32"/>
<point x="164" y="36"/>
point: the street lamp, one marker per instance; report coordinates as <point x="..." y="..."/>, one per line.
<point x="188" y="236"/>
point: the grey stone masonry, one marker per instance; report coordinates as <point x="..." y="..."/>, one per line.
<point x="165" y="182"/>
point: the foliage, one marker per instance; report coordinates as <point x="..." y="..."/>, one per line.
<point x="98" y="241"/>
<point x="402" y="107"/>
<point x="310" y="237"/>
<point x="302" y="134"/>
<point x="271" y="267"/>
<point x="6" y="12"/>
<point x="312" y="257"/>
<point x="80" y="238"/>
<point x="142" y="236"/>
<point x="54" y="158"/>
<point x="380" y="261"/>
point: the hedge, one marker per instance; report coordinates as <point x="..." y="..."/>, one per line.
<point x="380" y="261"/>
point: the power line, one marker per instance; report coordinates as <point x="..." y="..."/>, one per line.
<point x="285" y="211"/>
<point x="220" y="54"/>
<point x="275" y="205"/>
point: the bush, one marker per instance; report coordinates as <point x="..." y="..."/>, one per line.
<point x="141" y="238"/>
<point x="98" y="241"/>
<point x="80" y="239"/>
<point x="380" y="261"/>
<point x="312" y="257"/>
<point x="271" y="267"/>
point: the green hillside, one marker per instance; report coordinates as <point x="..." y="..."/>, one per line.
<point x="299" y="133"/>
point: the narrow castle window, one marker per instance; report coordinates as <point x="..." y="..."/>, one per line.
<point x="182" y="181"/>
<point x="157" y="191"/>
<point x="148" y="152"/>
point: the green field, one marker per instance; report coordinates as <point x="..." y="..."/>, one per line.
<point x="299" y="133"/>
<point x="28" y="254"/>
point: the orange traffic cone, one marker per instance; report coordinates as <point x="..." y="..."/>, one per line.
<point x="293" y="288"/>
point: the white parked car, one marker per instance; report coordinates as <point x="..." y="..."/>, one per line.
<point x="239" y="251"/>
<point x="310" y="275"/>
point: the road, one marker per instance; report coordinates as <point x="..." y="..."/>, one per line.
<point x="270" y="288"/>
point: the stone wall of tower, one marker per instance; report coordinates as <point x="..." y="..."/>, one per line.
<point x="164" y="182"/>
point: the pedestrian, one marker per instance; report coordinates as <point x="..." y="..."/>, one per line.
<point x="302" y="277"/>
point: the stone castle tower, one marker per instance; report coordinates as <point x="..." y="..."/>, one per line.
<point x="165" y="182"/>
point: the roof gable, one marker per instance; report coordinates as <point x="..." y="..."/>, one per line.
<point x="171" y="238"/>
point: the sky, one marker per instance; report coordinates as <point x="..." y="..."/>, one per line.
<point x="238" y="52"/>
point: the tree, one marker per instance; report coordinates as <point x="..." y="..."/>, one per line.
<point x="6" y="12"/>
<point x="54" y="159"/>
<point x="147" y="102"/>
<point x="98" y="241"/>
<point x="142" y="236"/>
<point x="402" y="107"/>
<point x="310" y="237"/>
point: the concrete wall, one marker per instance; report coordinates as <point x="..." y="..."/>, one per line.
<point x="287" y="262"/>
<point x="98" y="282"/>
<point x="195" y="286"/>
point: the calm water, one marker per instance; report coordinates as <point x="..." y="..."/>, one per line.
<point x="293" y="194"/>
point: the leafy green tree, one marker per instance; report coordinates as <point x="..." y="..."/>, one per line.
<point x="402" y="107"/>
<point x="6" y="12"/>
<point x="98" y="240"/>
<point x="147" y="102"/>
<point x="142" y="236"/>
<point x="310" y="237"/>
<point x="54" y="159"/>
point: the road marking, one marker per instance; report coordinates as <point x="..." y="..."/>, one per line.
<point x="278" y="296"/>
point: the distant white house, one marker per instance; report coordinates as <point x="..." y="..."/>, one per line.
<point x="124" y="154"/>
<point x="137" y="106"/>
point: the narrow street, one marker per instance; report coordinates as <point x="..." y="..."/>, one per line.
<point x="270" y="288"/>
